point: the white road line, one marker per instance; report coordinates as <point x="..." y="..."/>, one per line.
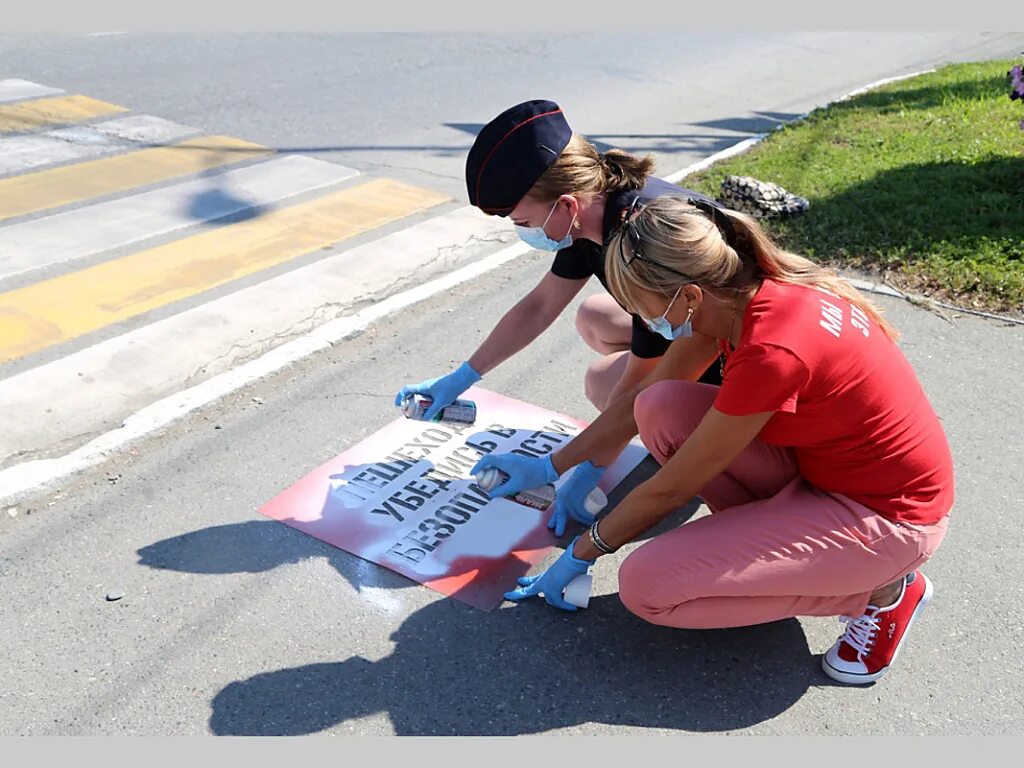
<point x="16" y="90"/>
<point x="94" y="229"/>
<point x="25" y="477"/>
<point x="707" y="162"/>
<point x="19" y="154"/>
<point x="96" y="388"/>
<point x="880" y="83"/>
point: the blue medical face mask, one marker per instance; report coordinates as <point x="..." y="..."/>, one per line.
<point x="536" y="237"/>
<point x="663" y="327"/>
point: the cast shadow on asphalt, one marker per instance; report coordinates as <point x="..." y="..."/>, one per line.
<point x="758" y="122"/>
<point x="761" y="122"/>
<point x="217" y="205"/>
<point x="528" y="669"/>
<point x="522" y="669"/>
<point x="208" y="206"/>
<point x="216" y="199"/>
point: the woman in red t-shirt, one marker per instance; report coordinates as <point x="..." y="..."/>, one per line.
<point x="827" y="472"/>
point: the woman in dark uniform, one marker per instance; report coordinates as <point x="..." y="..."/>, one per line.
<point x="565" y="196"/>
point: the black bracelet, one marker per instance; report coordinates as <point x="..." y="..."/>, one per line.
<point x="597" y="541"/>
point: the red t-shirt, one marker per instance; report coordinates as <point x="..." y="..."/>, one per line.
<point x="846" y="401"/>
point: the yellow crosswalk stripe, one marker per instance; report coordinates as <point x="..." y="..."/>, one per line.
<point x="56" y="310"/>
<point x="40" y="191"/>
<point x="44" y="113"/>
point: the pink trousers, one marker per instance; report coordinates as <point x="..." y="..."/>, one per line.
<point x="774" y="546"/>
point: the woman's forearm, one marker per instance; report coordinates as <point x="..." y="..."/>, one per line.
<point x="516" y="330"/>
<point x="604" y="439"/>
<point x="714" y="444"/>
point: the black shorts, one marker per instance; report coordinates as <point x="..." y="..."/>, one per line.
<point x="713" y="375"/>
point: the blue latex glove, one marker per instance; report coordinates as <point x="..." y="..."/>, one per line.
<point x="553" y="580"/>
<point x="444" y="390"/>
<point x="572" y="494"/>
<point x="525" y="472"/>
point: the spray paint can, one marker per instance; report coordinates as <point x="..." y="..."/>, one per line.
<point x="459" y="412"/>
<point x="538" y="498"/>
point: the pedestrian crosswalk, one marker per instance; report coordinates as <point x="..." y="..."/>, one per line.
<point x="66" y="307"/>
<point x="56" y="187"/>
<point x="111" y="220"/>
<point x="81" y="233"/>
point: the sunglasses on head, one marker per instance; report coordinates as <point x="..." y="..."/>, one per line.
<point x="630" y="231"/>
<point x="629" y="227"/>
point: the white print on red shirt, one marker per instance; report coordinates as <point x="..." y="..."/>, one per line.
<point x="859" y="320"/>
<point x="832" y="319"/>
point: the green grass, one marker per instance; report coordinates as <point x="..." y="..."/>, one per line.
<point x="920" y="183"/>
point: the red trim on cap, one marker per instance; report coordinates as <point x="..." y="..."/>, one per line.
<point x="490" y="154"/>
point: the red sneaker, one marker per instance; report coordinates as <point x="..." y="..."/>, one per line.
<point x="872" y="641"/>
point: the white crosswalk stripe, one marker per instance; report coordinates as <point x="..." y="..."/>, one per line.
<point x="19" y="154"/>
<point x="18" y="90"/>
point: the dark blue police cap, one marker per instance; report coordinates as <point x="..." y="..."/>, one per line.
<point x="511" y="152"/>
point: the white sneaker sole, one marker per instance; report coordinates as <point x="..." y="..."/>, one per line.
<point x="852" y="678"/>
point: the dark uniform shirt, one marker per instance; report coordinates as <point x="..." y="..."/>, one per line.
<point x="584" y="258"/>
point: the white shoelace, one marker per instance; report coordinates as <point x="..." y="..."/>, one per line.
<point x="860" y="632"/>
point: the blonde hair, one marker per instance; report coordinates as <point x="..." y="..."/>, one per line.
<point x="681" y="244"/>
<point x="582" y="171"/>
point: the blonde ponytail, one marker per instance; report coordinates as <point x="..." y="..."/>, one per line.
<point x="679" y="239"/>
<point x="784" y="267"/>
